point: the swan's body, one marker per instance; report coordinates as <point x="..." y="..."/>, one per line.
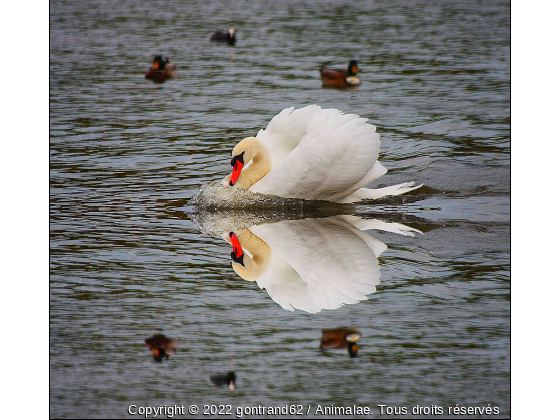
<point x="312" y="264"/>
<point x="314" y="154"/>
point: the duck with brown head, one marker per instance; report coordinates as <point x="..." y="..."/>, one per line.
<point x="340" y="78"/>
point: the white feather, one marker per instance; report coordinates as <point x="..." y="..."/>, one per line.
<point x="318" y="263"/>
<point x="321" y="154"/>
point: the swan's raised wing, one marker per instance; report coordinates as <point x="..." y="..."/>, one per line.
<point x="334" y="260"/>
<point x="334" y="158"/>
<point x="284" y="132"/>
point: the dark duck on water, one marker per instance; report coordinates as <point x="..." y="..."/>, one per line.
<point x="224" y="379"/>
<point x="161" y="70"/>
<point x="228" y="37"/>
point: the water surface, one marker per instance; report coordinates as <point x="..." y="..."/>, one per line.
<point x="126" y="155"/>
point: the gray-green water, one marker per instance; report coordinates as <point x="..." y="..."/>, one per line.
<point x="127" y="154"/>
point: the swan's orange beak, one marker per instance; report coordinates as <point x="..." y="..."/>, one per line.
<point x="235" y="173"/>
<point x="237" y="163"/>
<point x="237" y="250"/>
<point x="156" y="65"/>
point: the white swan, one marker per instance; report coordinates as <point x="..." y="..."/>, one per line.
<point x="314" y="154"/>
<point x="312" y="264"/>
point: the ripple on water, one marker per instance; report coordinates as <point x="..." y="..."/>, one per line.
<point x="125" y="154"/>
<point x="214" y="195"/>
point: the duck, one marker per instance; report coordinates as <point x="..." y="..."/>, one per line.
<point x="339" y="78"/>
<point x="161" y="346"/>
<point x="312" y="153"/>
<point x="221" y="36"/>
<point x="344" y="337"/>
<point x="224" y="379"/>
<point x="161" y="70"/>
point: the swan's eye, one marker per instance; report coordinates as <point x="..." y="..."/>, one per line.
<point x="237" y="259"/>
<point x="237" y="158"/>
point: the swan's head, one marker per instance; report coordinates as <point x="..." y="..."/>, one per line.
<point x="242" y="154"/>
<point x="242" y="263"/>
<point x="352" y="67"/>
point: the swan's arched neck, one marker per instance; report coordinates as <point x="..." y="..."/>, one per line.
<point x="256" y="162"/>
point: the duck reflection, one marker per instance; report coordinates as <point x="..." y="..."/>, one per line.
<point x="161" y="346"/>
<point x="312" y="264"/>
<point x="227" y="379"/>
<point x="345" y="337"/>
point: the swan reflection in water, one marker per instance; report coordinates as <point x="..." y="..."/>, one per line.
<point x="312" y="264"/>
